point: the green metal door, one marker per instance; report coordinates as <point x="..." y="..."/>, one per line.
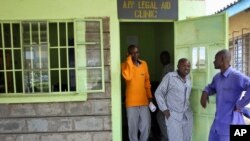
<point x="198" y="39"/>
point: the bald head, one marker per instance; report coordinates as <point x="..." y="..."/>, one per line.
<point x="222" y="60"/>
<point x="225" y="54"/>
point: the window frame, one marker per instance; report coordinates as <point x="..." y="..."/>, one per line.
<point x="79" y="94"/>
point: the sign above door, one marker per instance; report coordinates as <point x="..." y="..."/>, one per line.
<point x="148" y="9"/>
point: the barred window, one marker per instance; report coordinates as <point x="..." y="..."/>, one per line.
<point x="239" y="47"/>
<point x="51" y="57"/>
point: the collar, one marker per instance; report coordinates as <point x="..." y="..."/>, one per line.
<point x="177" y="75"/>
<point x="227" y="72"/>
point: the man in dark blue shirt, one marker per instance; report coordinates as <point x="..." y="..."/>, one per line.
<point x="228" y="86"/>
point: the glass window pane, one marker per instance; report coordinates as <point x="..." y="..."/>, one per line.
<point x="44" y="56"/>
<point x="70" y="34"/>
<point x="28" y="57"/>
<point x="7" y="36"/>
<point x="36" y="81"/>
<point x="94" y="79"/>
<point x="71" y="52"/>
<point x="17" y="57"/>
<point x="54" y="80"/>
<point x="35" y="37"/>
<point x="93" y="58"/>
<point x="43" y="32"/>
<point x="1" y="60"/>
<point x="72" y="77"/>
<point x="36" y="57"/>
<point x="63" y="57"/>
<point x="62" y="29"/>
<point x="19" y="82"/>
<point x="194" y="58"/>
<point x="16" y="35"/>
<point x="40" y="81"/>
<point x="64" y="79"/>
<point x="45" y="82"/>
<point x="202" y="58"/>
<point x="10" y="82"/>
<point x="26" y="33"/>
<point x="8" y="59"/>
<point x="2" y="83"/>
<point x="27" y="82"/>
<point x="54" y="58"/>
<point x="53" y="37"/>
<point x="93" y="31"/>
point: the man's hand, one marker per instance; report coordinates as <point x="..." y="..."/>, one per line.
<point x="204" y="99"/>
<point x="166" y="113"/>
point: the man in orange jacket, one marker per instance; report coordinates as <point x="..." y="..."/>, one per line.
<point x="138" y="94"/>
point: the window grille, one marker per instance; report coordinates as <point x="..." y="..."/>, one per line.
<point x="239" y="47"/>
<point x="51" y="57"/>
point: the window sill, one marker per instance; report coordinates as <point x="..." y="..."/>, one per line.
<point x="41" y="98"/>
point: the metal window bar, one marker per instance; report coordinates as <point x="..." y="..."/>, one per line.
<point x="245" y="60"/>
<point x="67" y="54"/>
<point x="48" y="59"/>
<point x="34" y="47"/>
<point x="12" y="56"/>
<point x="4" y="61"/>
<point x="40" y="58"/>
<point x="241" y="48"/>
<point x="3" y="57"/>
<point x="59" y="56"/>
<point x="59" y="48"/>
<point x="29" y="46"/>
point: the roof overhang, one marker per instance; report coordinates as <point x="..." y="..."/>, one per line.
<point x="238" y="7"/>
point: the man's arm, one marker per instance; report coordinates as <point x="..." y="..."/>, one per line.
<point x="127" y="69"/>
<point x="204" y="99"/>
<point x="209" y="90"/>
<point x="147" y="83"/>
<point x="160" y="93"/>
<point x="245" y="83"/>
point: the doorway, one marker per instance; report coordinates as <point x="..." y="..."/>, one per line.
<point x="152" y="38"/>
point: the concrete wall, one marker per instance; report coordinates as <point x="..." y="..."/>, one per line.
<point x="238" y="22"/>
<point x="191" y="8"/>
<point x="67" y="121"/>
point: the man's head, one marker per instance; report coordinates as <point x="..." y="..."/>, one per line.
<point x="183" y="67"/>
<point x="222" y="60"/>
<point x="134" y="52"/>
<point x="165" y="58"/>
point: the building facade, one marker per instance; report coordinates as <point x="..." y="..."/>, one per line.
<point x="60" y="63"/>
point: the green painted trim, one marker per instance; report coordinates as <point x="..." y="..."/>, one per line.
<point x="115" y="74"/>
<point x="41" y="98"/>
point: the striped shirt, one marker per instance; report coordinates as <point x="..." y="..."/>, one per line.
<point x="173" y="94"/>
